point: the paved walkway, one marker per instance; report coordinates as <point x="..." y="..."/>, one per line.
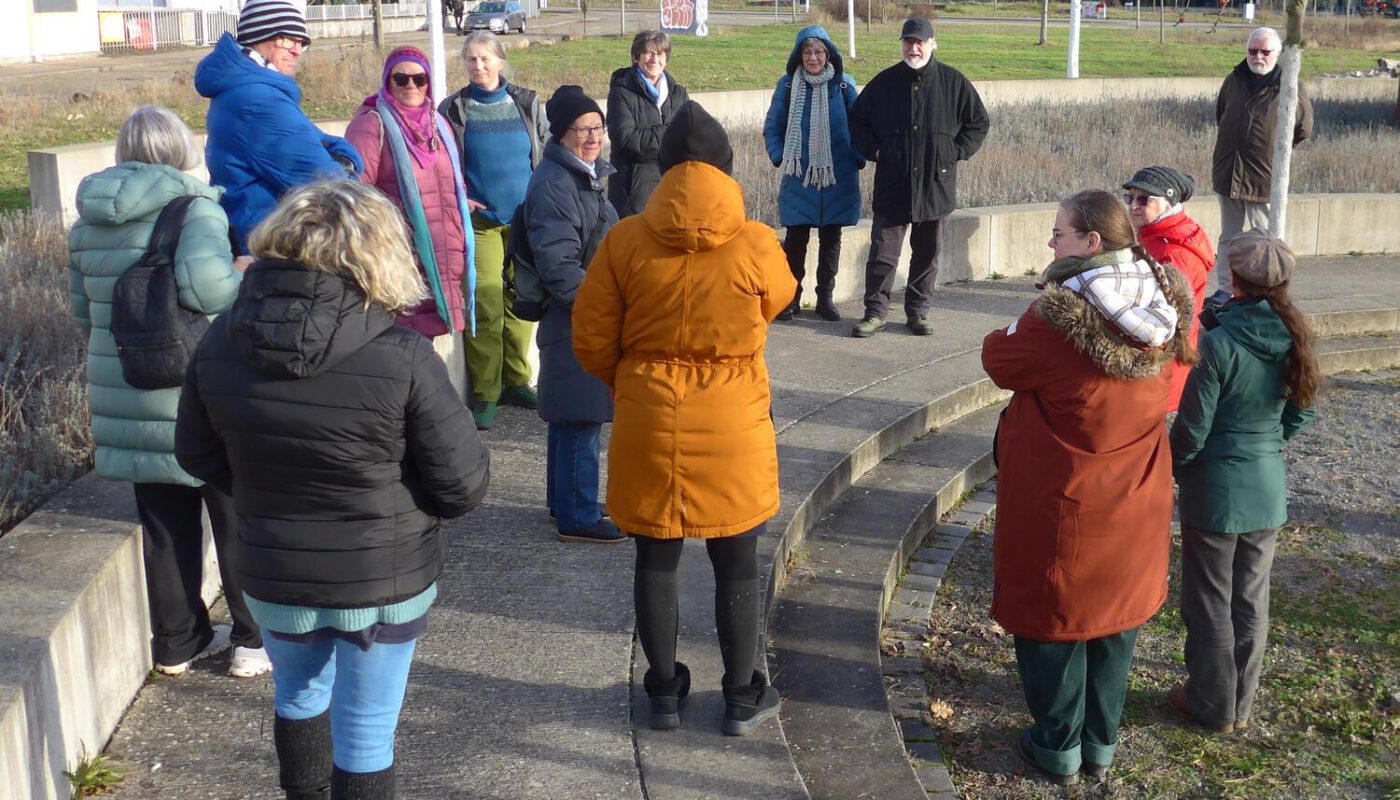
<point x="522" y="687"/>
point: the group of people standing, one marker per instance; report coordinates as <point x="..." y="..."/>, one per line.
<point x="320" y="422"/>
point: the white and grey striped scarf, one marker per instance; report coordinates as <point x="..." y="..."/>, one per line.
<point x="820" y="172"/>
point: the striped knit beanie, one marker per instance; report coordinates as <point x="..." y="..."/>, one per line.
<point x="268" y="19"/>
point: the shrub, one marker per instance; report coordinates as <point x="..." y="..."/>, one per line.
<point x="45" y="437"/>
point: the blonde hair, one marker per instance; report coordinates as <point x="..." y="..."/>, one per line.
<point x="345" y="228"/>
<point x="154" y="135"/>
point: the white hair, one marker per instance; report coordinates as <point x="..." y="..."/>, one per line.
<point x="1265" y="33"/>
<point x="154" y="135"/>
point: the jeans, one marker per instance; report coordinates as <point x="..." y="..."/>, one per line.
<point x="571" y="474"/>
<point x="363" y="690"/>
<point x="1225" y="605"/>
<point x="886" y="242"/>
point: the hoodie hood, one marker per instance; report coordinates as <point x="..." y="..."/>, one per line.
<point x="290" y="321"/>
<point x="794" y="61"/>
<point x="226" y="68"/>
<point x="1252" y="323"/>
<point x="695" y="208"/>
<point x="135" y="190"/>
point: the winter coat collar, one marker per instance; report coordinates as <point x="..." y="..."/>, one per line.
<point x="1091" y="335"/>
<point x="290" y="321"/>
<point x="135" y="190"/>
<point x="627" y="78"/>
<point x="695" y="208"/>
<point x="226" y="68"/>
<point x="553" y="151"/>
<point x="1180" y="230"/>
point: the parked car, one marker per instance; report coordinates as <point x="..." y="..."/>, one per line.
<point x="498" y="16"/>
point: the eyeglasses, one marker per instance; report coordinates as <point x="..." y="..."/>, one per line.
<point x="402" y="80"/>
<point x="1057" y="234"/>
<point x="589" y="133"/>
<point x="1137" y="200"/>
<point x="292" y="45"/>
<point x="1259" y="51"/>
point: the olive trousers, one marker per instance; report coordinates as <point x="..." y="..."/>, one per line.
<point x="498" y="355"/>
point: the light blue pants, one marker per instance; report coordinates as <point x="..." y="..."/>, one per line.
<point x="363" y="690"/>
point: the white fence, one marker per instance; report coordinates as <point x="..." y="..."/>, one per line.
<point x="364" y="11"/>
<point x="143" y="29"/>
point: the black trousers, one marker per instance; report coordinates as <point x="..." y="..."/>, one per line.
<point x="828" y="256"/>
<point x="886" y="245"/>
<point x="174" y="555"/>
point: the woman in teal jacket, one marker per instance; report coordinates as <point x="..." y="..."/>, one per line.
<point x="1252" y="390"/>
<point x="134" y="430"/>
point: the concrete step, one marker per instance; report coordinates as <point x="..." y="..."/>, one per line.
<point x="826" y="625"/>
<point x="1356" y="353"/>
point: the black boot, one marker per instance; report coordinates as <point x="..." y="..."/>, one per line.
<point x="825" y="308"/>
<point x="667" y="697"/>
<point x="304" y="756"/>
<point x="793" y="308"/>
<point x="363" y="785"/>
<point x="748" y="706"/>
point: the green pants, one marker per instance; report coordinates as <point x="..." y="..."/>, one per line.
<point x="498" y="355"/>
<point x="1075" y="691"/>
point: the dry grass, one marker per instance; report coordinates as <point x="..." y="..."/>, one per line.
<point x="45" y="437"/>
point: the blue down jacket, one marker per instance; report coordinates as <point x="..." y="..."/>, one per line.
<point x="807" y="205"/>
<point x="260" y="142"/>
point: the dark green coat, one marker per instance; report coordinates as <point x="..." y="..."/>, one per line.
<point x="1227" y="441"/>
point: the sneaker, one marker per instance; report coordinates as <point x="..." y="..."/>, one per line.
<point x="827" y="309"/>
<point x="521" y="397"/>
<point x="601" y="532"/>
<point x="747" y="707"/>
<point x="249" y="662"/>
<point x="867" y="327"/>
<point x="484" y="415"/>
<point x="1023" y="749"/>
<point x="1176" y="698"/>
<point x="919" y="326"/>
<point x="216" y="645"/>
<point x="667" y="699"/>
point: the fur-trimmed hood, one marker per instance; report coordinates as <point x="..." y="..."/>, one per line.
<point x="1091" y="335"/>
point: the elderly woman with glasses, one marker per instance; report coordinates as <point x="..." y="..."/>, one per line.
<point x="642" y="100"/>
<point x="410" y="155"/>
<point x="1155" y="197"/>
<point x="500" y="132"/>
<point x="1081" y="544"/>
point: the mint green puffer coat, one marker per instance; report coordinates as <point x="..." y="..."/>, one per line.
<point x="117" y="208"/>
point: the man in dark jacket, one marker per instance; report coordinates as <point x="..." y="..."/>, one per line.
<point x="1246" y="115"/>
<point x="642" y="101"/>
<point x="916" y="120"/>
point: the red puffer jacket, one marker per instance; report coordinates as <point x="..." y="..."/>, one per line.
<point x="1179" y="242"/>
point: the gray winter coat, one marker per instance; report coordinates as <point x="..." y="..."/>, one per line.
<point x="563" y="204"/>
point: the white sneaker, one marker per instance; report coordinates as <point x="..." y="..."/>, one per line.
<point x="216" y="645"/>
<point x="249" y="662"/>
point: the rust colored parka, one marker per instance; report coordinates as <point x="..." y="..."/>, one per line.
<point x="673" y="314"/>
<point x="1084" y="484"/>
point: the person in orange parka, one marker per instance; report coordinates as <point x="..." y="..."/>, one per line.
<point x="673" y="314"/>
<point x="1155" y="196"/>
<point x="1081" y="545"/>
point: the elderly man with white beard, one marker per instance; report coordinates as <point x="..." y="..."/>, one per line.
<point x="916" y="120"/>
<point x="1246" y="115"/>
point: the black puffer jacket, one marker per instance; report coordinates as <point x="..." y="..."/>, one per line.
<point x="635" y="125"/>
<point x="338" y="435"/>
<point x="916" y="127"/>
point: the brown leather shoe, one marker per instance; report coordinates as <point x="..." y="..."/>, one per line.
<point x="1176" y="698"/>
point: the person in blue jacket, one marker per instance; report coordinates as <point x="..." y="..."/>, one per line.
<point x="260" y="143"/>
<point x="810" y="144"/>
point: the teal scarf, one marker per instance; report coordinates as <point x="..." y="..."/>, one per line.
<point x="418" y="220"/>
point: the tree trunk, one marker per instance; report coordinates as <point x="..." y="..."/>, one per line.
<point x="1290" y="62"/>
<point x="378" y="24"/>
<point x="1044" y="21"/>
<point x="1161" y="23"/>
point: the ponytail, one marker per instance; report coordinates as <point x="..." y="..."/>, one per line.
<point x="1301" y="375"/>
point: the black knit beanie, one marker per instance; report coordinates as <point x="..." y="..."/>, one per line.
<point x="566" y="106"/>
<point x="1175" y="186"/>
<point x="694" y="135"/>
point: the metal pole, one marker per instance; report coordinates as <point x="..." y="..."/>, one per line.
<point x="1137" y="9"/>
<point x="155" y="36"/>
<point x="851" y="27"/>
<point x="437" y="50"/>
<point x="624" y="17"/>
<point x="1075" y="12"/>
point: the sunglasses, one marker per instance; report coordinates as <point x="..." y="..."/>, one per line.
<point x="1259" y="51"/>
<point x="401" y="80"/>
<point x="1137" y="200"/>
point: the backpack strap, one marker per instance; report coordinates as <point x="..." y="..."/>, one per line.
<point x="166" y="235"/>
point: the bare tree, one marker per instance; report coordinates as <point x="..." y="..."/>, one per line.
<point x="1290" y="62"/>
<point x="378" y="24"/>
<point x="1044" y="21"/>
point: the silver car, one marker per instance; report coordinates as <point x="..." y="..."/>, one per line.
<point x="497" y="16"/>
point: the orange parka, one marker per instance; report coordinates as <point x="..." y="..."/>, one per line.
<point x="673" y="314"/>
<point x="1084" y="471"/>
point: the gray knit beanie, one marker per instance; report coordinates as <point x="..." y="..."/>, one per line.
<point x="262" y="20"/>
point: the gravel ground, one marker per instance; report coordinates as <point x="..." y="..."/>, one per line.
<point x="1327" y="724"/>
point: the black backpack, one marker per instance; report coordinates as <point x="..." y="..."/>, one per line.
<point x="521" y="277"/>
<point x="156" y="337"/>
